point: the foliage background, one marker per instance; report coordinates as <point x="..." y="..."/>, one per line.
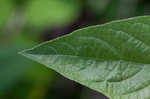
<point x="25" y="23"/>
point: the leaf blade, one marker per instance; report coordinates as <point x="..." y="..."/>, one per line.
<point x="112" y="58"/>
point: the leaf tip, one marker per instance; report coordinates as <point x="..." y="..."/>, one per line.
<point x="25" y="52"/>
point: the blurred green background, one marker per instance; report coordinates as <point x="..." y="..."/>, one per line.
<point x="25" y="23"/>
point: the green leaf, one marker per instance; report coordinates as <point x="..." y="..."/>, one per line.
<point x="113" y="58"/>
<point x="50" y="12"/>
<point x="6" y="10"/>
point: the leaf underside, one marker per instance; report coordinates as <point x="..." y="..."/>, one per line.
<point x="113" y="58"/>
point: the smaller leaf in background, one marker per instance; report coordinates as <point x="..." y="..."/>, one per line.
<point x="6" y="10"/>
<point x="112" y="58"/>
<point x="49" y="12"/>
